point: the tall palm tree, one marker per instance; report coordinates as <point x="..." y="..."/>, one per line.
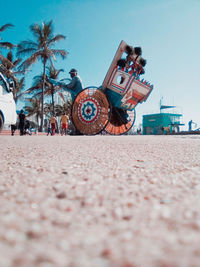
<point x="41" y="49"/>
<point x="7" y="45"/>
<point x="52" y="88"/>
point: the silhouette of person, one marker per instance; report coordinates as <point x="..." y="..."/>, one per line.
<point x="21" y="121"/>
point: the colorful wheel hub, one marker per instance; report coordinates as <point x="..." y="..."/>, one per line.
<point x="88" y="110"/>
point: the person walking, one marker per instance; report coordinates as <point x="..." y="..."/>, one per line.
<point x="22" y="118"/>
<point x="64" y="124"/>
<point x="190" y="125"/>
<point x="13" y="129"/>
<point x="49" y="128"/>
<point x="27" y="127"/>
<point x="53" y="122"/>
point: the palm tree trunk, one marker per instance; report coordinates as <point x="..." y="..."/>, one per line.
<point x="43" y="88"/>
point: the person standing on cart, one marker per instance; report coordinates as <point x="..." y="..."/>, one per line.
<point x="76" y="85"/>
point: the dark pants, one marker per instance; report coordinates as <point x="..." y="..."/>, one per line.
<point x="13" y="128"/>
<point x="49" y="131"/>
<point x="21" y="128"/>
<point x="53" y="128"/>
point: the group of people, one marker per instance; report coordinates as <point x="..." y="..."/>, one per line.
<point x="53" y="125"/>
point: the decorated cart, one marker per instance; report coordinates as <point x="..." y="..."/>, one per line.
<point x="111" y="107"/>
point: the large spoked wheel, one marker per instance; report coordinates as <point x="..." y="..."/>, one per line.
<point x="121" y="121"/>
<point x="90" y="111"/>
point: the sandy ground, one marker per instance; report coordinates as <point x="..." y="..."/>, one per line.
<point x="100" y="201"/>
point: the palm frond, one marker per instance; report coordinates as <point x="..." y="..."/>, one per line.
<point x="17" y="61"/>
<point x="37" y="32"/>
<point x="53" y="72"/>
<point x="7" y="45"/>
<point x="4" y="61"/>
<point x="56" y="39"/>
<point x="47" y="30"/>
<point x="21" y="82"/>
<point x="5" y="26"/>
<point x="28" y="62"/>
<point x="59" y="52"/>
<point x="37" y="78"/>
<point x="26" y="50"/>
<point x="10" y="56"/>
<point x="27" y="44"/>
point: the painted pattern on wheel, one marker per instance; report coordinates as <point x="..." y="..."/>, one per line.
<point x="88" y="110"/>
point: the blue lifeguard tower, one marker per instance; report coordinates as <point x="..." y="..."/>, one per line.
<point x="163" y="122"/>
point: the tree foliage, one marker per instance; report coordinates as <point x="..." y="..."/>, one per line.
<point x="41" y="48"/>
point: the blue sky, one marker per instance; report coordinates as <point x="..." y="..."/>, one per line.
<point x="168" y="32"/>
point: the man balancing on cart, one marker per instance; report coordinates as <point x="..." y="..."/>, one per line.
<point x="74" y="87"/>
<point x="76" y="83"/>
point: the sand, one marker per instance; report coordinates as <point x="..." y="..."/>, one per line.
<point x="100" y="201"/>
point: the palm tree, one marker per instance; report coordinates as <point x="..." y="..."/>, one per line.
<point x="52" y="88"/>
<point x="41" y="49"/>
<point x="6" y="45"/>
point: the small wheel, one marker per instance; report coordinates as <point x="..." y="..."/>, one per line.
<point x="1" y="122"/>
<point x="121" y="121"/>
<point x="90" y="111"/>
